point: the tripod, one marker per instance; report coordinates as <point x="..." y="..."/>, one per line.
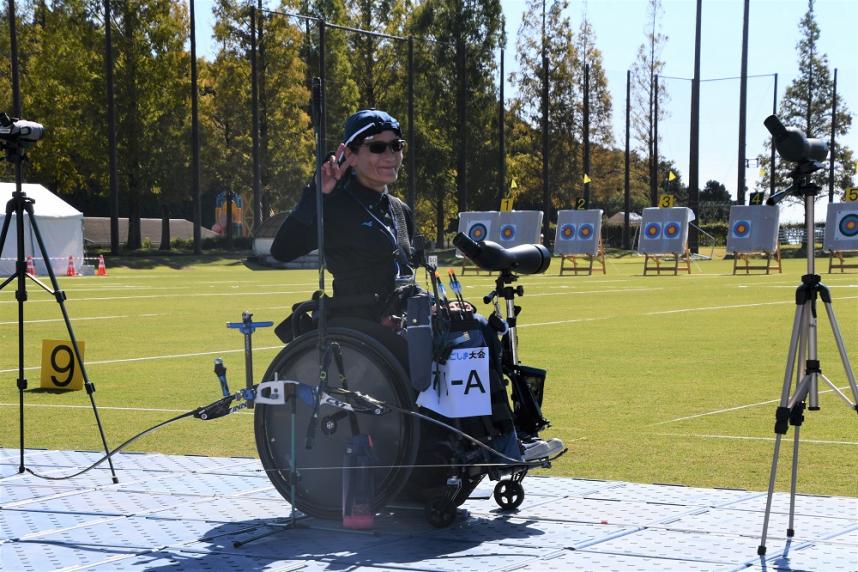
<point x="18" y="205"/>
<point x="802" y="347"/>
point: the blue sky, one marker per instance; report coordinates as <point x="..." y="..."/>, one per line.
<point x="773" y="34"/>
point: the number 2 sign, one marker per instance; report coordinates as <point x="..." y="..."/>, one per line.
<point x="60" y="370"/>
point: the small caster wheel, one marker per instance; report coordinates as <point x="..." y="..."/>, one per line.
<point x="440" y="512"/>
<point x="509" y="494"/>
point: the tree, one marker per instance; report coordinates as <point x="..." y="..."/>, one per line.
<point x="807" y="104"/>
<point x="60" y="78"/>
<point x="715" y="201"/>
<point x="567" y="55"/>
<point x="152" y="97"/>
<point x="646" y="67"/>
<point x="475" y="28"/>
<point x="341" y="90"/>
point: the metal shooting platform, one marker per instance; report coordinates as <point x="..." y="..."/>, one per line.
<point x="173" y="512"/>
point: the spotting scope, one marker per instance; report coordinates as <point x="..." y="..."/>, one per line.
<point x="793" y="145"/>
<point x="488" y="255"/>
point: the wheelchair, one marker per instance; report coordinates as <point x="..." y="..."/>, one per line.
<point x="419" y="457"/>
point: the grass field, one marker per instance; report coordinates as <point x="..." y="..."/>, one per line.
<point x="651" y="379"/>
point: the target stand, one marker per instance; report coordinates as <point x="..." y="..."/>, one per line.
<point x="753" y="237"/>
<point x="586" y="264"/>
<point x="746" y="257"/>
<point x="669" y="262"/>
<point x="844" y="262"/>
<point x="578" y="241"/>
<point x="841" y="235"/>
<point x="664" y="240"/>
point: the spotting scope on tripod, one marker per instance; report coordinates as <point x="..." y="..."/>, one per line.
<point x="16" y="136"/>
<point x="802" y="357"/>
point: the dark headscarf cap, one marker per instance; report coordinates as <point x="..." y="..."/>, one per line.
<point x="368" y="122"/>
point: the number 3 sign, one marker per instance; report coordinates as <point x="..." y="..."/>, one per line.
<point x="59" y="368"/>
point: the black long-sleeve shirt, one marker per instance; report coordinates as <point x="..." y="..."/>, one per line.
<point x="360" y="237"/>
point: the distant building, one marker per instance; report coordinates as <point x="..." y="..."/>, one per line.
<point x="96" y="230"/>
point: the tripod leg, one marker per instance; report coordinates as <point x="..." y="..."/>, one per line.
<point x="841" y="348"/>
<point x="793" y="479"/>
<point x="782" y="417"/>
<point x="60" y="297"/>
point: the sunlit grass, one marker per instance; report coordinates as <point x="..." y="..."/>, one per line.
<point x="651" y="379"/>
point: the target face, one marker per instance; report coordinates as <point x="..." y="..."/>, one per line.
<point x="586" y="231"/>
<point x="742" y="228"/>
<point x="567" y="232"/>
<point x="652" y="230"/>
<point x="672" y="229"/>
<point x="848" y="225"/>
<point x="507" y="232"/>
<point x="477" y="232"/>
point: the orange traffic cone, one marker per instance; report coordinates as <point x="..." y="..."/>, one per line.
<point x="31" y="266"/>
<point x="70" y="271"/>
<point x="102" y="269"/>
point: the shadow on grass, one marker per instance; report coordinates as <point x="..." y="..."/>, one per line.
<point x="176" y="260"/>
<point x="48" y="390"/>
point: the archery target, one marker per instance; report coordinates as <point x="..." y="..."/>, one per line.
<point x="741" y="229"/>
<point x="665" y="230"/>
<point x="518" y="227"/>
<point x="478" y="225"/>
<point x="848" y="226"/>
<point x="841" y="227"/>
<point x="507" y="232"/>
<point x="478" y="231"/>
<point x="753" y="228"/>
<point x="578" y="232"/>
<point x="652" y="230"/>
<point x="671" y="230"/>
<point x="566" y="232"/>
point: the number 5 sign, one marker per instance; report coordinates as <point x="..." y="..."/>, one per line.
<point x="59" y="368"/>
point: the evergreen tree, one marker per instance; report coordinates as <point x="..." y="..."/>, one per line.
<point x="806" y="104"/>
<point x="567" y="55"/>
<point x="60" y="79"/>
<point x="473" y="27"/>
<point x="647" y="65"/>
<point x="341" y="91"/>
<point x="152" y="97"/>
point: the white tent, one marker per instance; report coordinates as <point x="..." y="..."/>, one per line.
<point x="60" y="225"/>
<point x="620" y="217"/>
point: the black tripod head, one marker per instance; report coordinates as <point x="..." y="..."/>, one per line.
<point x="807" y="153"/>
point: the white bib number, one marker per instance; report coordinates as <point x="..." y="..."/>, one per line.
<point x="460" y="387"/>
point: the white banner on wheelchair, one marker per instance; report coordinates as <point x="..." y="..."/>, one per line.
<point x="462" y="388"/>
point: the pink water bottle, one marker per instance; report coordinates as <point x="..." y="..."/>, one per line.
<point x="358" y="483"/>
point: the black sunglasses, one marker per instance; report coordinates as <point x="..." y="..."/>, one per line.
<point x="379" y="147"/>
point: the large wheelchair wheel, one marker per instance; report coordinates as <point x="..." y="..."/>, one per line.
<point x="370" y="368"/>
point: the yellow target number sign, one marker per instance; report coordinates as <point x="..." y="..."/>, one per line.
<point x="666" y="201"/>
<point x="851" y="195"/>
<point x="757" y="198"/>
<point x="60" y="369"/>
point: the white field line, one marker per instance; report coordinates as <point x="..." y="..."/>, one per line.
<point x="195" y="295"/>
<point x="569" y="293"/>
<point x="61" y="320"/>
<point x="107" y="408"/>
<point x="149" y="358"/>
<point x="729" y="409"/>
<point x="746" y="438"/>
<point x="575" y="321"/>
<point x="732" y="306"/>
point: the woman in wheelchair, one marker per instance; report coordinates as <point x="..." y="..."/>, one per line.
<point x="368" y="237"/>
